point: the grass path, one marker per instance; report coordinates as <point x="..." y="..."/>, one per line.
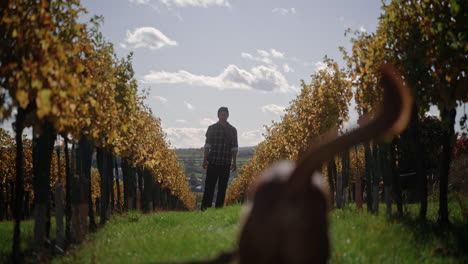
<point x="356" y="237"/>
<point x="170" y="236"/>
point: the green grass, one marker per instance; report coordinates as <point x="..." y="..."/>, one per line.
<point x="27" y="235"/>
<point x="138" y="238"/>
<point x="6" y="238"/>
<point x="356" y="237"/>
<point x="366" y="238"/>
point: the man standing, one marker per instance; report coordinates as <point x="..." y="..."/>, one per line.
<point x="220" y="148"/>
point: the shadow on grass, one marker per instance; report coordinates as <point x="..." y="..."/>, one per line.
<point x="27" y="254"/>
<point x="452" y="237"/>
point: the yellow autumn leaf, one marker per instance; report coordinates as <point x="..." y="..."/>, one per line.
<point x="60" y="52"/>
<point x="22" y="98"/>
<point x="112" y="135"/>
<point x="55" y="110"/>
<point x="44" y="44"/>
<point x="80" y="68"/>
<point x="77" y="27"/>
<point x="92" y="101"/>
<point x="43" y="103"/>
<point x="36" y="84"/>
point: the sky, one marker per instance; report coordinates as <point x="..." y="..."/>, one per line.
<point x="194" y="56"/>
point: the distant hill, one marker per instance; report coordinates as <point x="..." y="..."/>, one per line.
<point x="243" y="151"/>
<point x="192" y="158"/>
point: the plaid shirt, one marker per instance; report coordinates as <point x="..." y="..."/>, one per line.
<point x="221" y="141"/>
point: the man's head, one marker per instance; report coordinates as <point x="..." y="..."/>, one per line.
<point x="223" y="114"/>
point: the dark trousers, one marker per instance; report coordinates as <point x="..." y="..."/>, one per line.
<point x="215" y="173"/>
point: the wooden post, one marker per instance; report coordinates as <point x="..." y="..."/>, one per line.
<point x="80" y="210"/>
<point x="59" y="213"/>
<point x="117" y="183"/>
<point x="339" y="190"/>
<point x="19" y="190"/>
<point x="42" y="155"/>
<point x="358" y="192"/>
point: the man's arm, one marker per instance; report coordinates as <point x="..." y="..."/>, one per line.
<point x="205" y="158"/>
<point x="207" y="148"/>
<point x="234" y="157"/>
<point x="234" y="151"/>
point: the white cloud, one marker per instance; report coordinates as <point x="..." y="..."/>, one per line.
<point x="123" y="45"/>
<point x="268" y="79"/>
<point x="184" y="3"/>
<point x="250" y="138"/>
<point x="320" y="65"/>
<point x="196" y="3"/>
<point x="287" y="68"/>
<point x="148" y="37"/>
<point x="207" y="122"/>
<point x="275" y="109"/>
<point x="276" y="53"/>
<point x="233" y="75"/>
<point x="139" y="1"/>
<point x="284" y="11"/>
<point x="189" y="106"/>
<point x="262" y="59"/>
<point x="261" y="78"/>
<point x="263" y="53"/>
<point x="264" y="56"/>
<point x="247" y="55"/>
<point x="151" y="3"/>
<point x="191" y="137"/>
<point x="362" y="29"/>
<point x="181" y="121"/>
<point x="186" y="137"/>
<point x="160" y="99"/>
